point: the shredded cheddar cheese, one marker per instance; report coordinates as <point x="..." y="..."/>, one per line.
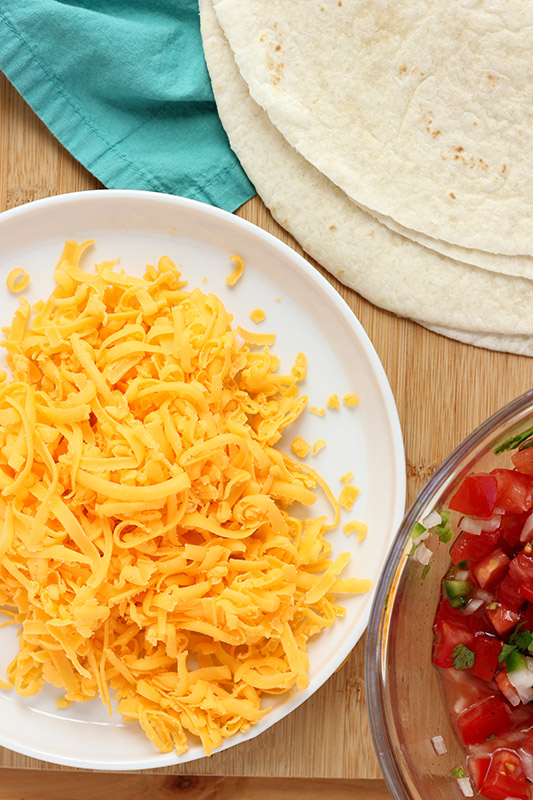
<point x="17" y="280"/>
<point x="348" y="496"/>
<point x="257" y="315"/>
<point x="147" y="545"/>
<point x="261" y="339"/>
<point x="350" y="400"/>
<point x="333" y="401"/>
<point x="318" y="446"/>
<point x="318" y="411"/>
<point x="347" y="477"/>
<point x="358" y="527"/>
<point x="300" y="447"/>
<point x="238" y="270"/>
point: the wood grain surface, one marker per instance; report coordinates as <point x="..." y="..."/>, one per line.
<point x="443" y="390"/>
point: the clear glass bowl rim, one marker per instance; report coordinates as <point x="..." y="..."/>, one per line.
<point x="375" y="668"/>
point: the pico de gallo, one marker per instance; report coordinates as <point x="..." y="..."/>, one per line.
<point x="483" y="629"/>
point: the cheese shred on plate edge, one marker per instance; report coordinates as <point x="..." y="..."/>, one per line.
<point x="147" y="545"/>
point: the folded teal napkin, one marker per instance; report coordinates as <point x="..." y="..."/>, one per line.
<point x="124" y="87"/>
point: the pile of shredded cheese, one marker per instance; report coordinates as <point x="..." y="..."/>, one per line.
<point x="147" y="545"/>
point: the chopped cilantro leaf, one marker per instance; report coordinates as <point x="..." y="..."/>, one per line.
<point x="521" y="639"/>
<point x="513" y="442"/>
<point x="458" y="772"/>
<point x="463" y="657"/>
<point x="462" y="564"/>
<point x="505" y="652"/>
<point x="524" y="640"/>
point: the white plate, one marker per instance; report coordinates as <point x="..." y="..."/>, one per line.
<point x="307" y="315"/>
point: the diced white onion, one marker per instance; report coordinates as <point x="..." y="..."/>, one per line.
<point x="422" y="554"/>
<point x="461" y="575"/>
<point x="477" y="526"/>
<point x="522" y="680"/>
<point x="481" y="594"/>
<point x="527" y="762"/>
<point x="438" y="745"/>
<point x="511" y="694"/>
<point x="473" y="605"/>
<point x="470" y="525"/>
<point x="432" y="519"/>
<point x="465" y="786"/>
<point x="527" y="530"/>
<point x="460" y="704"/>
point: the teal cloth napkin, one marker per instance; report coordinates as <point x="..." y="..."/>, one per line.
<point x="124" y="87"/>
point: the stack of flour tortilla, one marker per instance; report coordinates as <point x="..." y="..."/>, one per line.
<point x="394" y="141"/>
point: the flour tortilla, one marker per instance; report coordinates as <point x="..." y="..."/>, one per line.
<point x="387" y="269"/>
<point x="520" y="266"/>
<point x="519" y="345"/>
<point x="421" y="112"/>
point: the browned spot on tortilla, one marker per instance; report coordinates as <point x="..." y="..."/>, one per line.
<point x="275" y="66"/>
<point x="503" y="169"/>
<point x="339" y="3"/>
<point x="452" y="195"/>
<point x="435" y="134"/>
<point x="333" y="227"/>
<point x="458" y="154"/>
<point x="403" y="69"/>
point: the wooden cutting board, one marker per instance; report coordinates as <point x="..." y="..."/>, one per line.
<point x="443" y="390"/>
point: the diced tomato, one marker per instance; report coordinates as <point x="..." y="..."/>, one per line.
<point x="478" y="768"/>
<point x="473" y="546"/>
<point x="509" y="593"/>
<point x="523" y="460"/>
<point x="491" y="569"/>
<point x="527" y="742"/>
<point x="505" y="777"/>
<point x="490" y="717"/>
<point x="514" y="492"/>
<point x="527" y="617"/>
<point x="448" y="637"/>
<point x="503" y="619"/>
<point x="511" y="526"/>
<point x="487" y="649"/>
<point x="506" y="687"/>
<point x="521" y="567"/>
<point x="447" y="613"/>
<point x="476" y="495"/>
<point x="526" y="590"/>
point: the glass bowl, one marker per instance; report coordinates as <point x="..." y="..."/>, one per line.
<point x="405" y="699"/>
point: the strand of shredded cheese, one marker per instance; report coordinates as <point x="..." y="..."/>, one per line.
<point x="146" y="541"/>
<point x="17" y="280"/>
